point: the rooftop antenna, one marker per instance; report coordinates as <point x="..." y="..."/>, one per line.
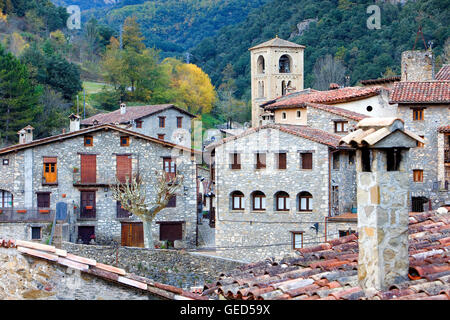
<point x="417" y="36"/>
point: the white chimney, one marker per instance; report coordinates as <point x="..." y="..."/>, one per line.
<point x="74" y="122"/>
<point x="26" y="135"/>
<point x="123" y="108"/>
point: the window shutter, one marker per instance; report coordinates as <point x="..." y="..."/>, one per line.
<point x="88" y="168"/>
<point x="282" y="161"/>
<point x="123" y="168"/>
<point x="306" y="160"/>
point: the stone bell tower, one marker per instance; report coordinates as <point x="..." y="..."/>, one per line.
<point x="276" y="69"/>
<point x="382" y="176"/>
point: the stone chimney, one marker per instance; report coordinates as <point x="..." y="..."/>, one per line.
<point x="26" y="135"/>
<point x="382" y="168"/>
<point x="417" y="65"/>
<point x="123" y="108"/>
<point x="74" y="122"/>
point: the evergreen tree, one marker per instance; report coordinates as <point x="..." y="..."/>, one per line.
<point x="18" y="97"/>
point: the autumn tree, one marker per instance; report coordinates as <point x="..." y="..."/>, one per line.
<point x="132" y="196"/>
<point x="194" y="91"/>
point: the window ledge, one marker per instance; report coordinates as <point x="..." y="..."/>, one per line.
<point x="238" y="210"/>
<point x="258" y="211"/>
<point x="282" y="211"/>
<point x="305" y="211"/>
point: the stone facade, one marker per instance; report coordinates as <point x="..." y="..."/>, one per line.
<point x="417" y="65"/>
<point x="256" y="234"/>
<point x="23" y="178"/>
<point x="430" y="157"/>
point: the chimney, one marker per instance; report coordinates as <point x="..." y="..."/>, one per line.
<point x="382" y="177"/>
<point x="123" y="108"/>
<point x="26" y="135"/>
<point x="417" y="65"/>
<point x="333" y="86"/>
<point x="74" y="122"/>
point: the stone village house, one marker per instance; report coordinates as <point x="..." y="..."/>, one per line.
<point x="77" y="168"/>
<point x="263" y="201"/>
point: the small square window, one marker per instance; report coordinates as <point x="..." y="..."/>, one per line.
<point x="138" y="123"/>
<point x="124" y="141"/>
<point x="341" y="126"/>
<point x="6" y="162"/>
<point x="417" y="114"/>
<point x="161" y="136"/>
<point x="36" y="233"/>
<point x="88" y="141"/>
<point x="418" y="175"/>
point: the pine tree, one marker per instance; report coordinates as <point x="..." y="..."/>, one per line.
<point x="18" y="97"/>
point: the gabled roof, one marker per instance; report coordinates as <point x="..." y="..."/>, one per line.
<point x="444" y="73"/>
<point x="335" y="96"/>
<point x="381" y="80"/>
<point x="277" y="42"/>
<point x="337" y="111"/>
<point x="132" y="113"/>
<point x="421" y="92"/>
<point x="328" y="271"/>
<point x="64" y="136"/>
<point x="444" y="129"/>
<point x="316" y="135"/>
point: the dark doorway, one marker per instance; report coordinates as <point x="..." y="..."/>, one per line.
<point x="86" y="233"/>
<point x="417" y="204"/>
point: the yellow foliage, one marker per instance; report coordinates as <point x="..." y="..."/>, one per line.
<point x="193" y="87"/>
<point x="17" y="44"/>
<point x="58" y="36"/>
<point x="3" y="17"/>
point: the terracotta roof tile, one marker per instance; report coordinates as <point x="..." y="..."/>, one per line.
<point x="132" y="113"/>
<point x="421" y="92"/>
<point x="335" y="96"/>
<point x="444" y="73"/>
<point x="334" y="276"/>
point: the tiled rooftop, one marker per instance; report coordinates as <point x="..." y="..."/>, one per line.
<point x="421" y="92"/>
<point x="326" y="97"/>
<point x="444" y="73"/>
<point x="306" y="132"/>
<point x="328" y="271"/>
<point x="132" y="113"/>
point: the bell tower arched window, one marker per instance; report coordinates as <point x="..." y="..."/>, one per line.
<point x="284" y="64"/>
<point x="261" y="66"/>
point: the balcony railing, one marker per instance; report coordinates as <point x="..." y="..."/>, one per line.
<point x="87" y="213"/>
<point x="26" y="215"/>
<point x="103" y="181"/>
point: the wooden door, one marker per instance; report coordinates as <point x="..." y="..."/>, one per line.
<point x="123" y="168"/>
<point x="88" y="168"/>
<point x="170" y="168"/>
<point x="132" y="234"/>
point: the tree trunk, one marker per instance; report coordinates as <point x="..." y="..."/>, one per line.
<point x="148" y="237"/>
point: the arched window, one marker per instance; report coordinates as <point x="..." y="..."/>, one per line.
<point x="237" y="200"/>
<point x="258" y="200"/>
<point x="261" y="66"/>
<point x="260" y="89"/>
<point x="305" y="201"/>
<point x="282" y="201"/>
<point x="284" y="64"/>
<point x="283" y="115"/>
<point x="6" y="199"/>
<point x="283" y="88"/>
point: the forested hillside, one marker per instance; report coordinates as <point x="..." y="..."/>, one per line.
<point x="339" y="28"/>
<point x="174" y="26"/>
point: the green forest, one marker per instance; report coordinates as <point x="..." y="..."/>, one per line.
<point x="340" y="31"/>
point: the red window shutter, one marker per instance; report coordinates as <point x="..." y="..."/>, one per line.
<point x="123" y="168"/>
<point x="171" y="231"/>
<point x="88" y="168"/>
<point x="282" y="161"/>
<point x="306" y="160"/>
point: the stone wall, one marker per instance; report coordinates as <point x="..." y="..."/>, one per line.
<point x="417" y="65"/>
<point x="25" y="278"/>
<point x="255" y="235"/>
<point x="426" y="158"/>
<point x="146" y="158"/>
<point x="175" y="267"/>
<point x="22" y="230"/>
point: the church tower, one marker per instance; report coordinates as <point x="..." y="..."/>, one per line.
<point x="276" y="69"/>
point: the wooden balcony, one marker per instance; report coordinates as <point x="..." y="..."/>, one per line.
<point x="87" y="213"/>
<point x="104" y="181"/>
<point x="26" y="215"/>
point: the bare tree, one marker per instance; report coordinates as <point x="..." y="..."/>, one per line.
<point x="328" y="70"/>
<point x="132" y="197"/>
